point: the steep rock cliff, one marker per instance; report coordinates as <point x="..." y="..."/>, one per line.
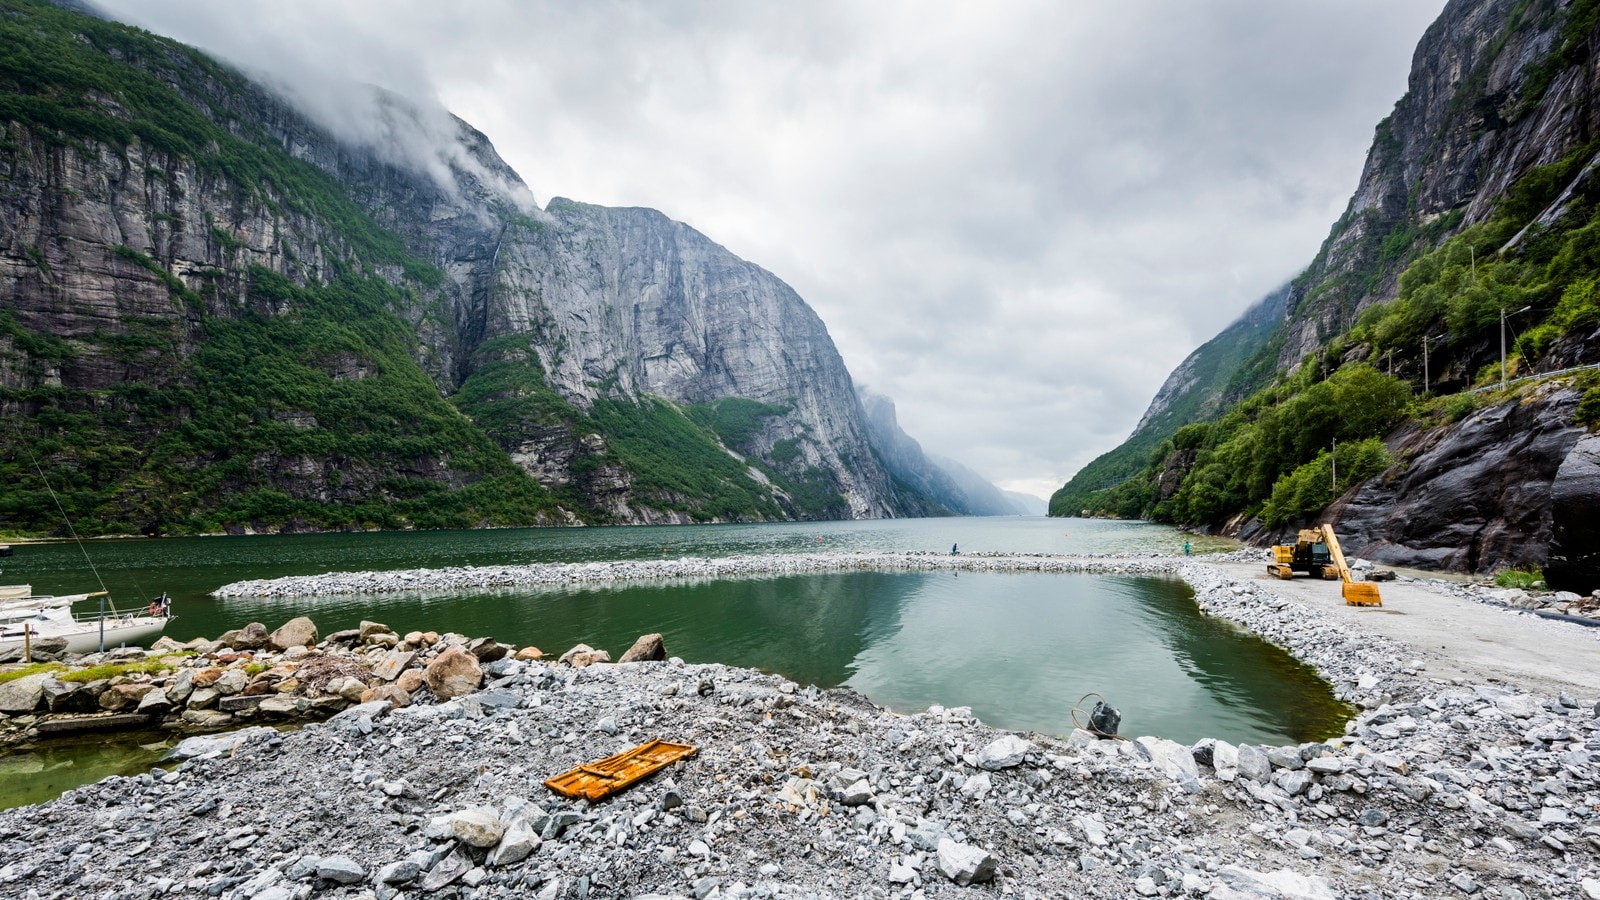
<point x="1481" y="189"/>
<point x="1497" y="87"/>
<point x="953" y="488"/>
<point x="217" y="314"/>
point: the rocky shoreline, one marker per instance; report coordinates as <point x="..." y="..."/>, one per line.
<point x="1436" y="789"/>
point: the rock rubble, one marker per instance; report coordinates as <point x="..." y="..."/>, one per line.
<point x="464" y="578"/>
<point x="1435" y="789"/>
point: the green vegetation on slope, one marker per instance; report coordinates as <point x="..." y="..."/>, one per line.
<point x="76" y="79"/>
<point x="1224" y="369"/>
<point x="1269" y="456"/>
<point x="314" y="415"/>
<point x="677" y="464"/>
<point x="267" y="408"/>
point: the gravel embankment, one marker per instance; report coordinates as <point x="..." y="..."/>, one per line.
<point x="1437" y="789"/>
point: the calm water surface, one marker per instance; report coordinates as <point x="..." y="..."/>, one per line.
<point x="1020" y="648"/>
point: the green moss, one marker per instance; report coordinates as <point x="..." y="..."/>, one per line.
<point x="12" y="673"/>
<point x="1524" y="578"/>
<point x="112" y="670"/>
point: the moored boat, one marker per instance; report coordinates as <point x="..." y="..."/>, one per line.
<point x="25" y="619"/>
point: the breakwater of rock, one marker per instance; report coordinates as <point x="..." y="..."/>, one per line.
<point x="1436" y="789"/>
<point x="466" y="578"/>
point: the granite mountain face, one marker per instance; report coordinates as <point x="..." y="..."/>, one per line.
<point x="1477" y="198"/>
<point x="217" y="315"/>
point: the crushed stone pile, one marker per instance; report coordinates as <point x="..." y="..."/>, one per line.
<point x="1435" y="789"/>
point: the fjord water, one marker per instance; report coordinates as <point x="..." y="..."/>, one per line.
<point x="1019" y="648"/>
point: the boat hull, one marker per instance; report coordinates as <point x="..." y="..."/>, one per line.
<point x="85" y="637"/>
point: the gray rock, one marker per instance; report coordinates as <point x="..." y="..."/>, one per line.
<point x="1285" y="757"/>
<point x="232" y="682"/>
<point x="341" y="870"/>
<point x="518" y="843"/>
<point x="1004" y="752"/>
<point x="302" y="868"/>
<point x="23" y="695"/>
<point x="648" y="648"/>
<point x="399" y="872"/>
<point x="498" y="699"/>
<point x="215" y="745"/>
<point x="964" y="863"/>
<point x="1253" y="764"/>
<point x="371" y="710"/>
<point x="1294" y="782"/>
<point x="447" y="869"/>
<point x="856" y="793"/>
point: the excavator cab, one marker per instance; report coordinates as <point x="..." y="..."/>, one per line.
<point x="1309" y="554"/>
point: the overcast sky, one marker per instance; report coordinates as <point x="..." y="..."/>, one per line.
<point x="1015" y="218"/>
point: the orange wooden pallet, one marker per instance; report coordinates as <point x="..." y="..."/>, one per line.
<point x="604" y="777"/>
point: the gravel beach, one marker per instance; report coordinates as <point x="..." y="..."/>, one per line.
<point x="1458" y="777"/>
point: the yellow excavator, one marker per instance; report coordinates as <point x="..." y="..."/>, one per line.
<point x="1317" y="553"/>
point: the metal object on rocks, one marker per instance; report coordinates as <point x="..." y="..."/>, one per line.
<point x="604" y="777"/>
<point x="1104" y="719"/>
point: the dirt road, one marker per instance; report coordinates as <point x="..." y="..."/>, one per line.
<point x="1456" y="637"/>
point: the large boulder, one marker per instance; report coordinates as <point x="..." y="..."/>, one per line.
<point x="22" y="695"/>
<point x="1474" y="497"/>
<point x="1574" y="563"/>
<point x="297" y="632"/>
<point x="454" y="673"/>
<point x="648" y="648"/>
<point x="67" y="696"/>
<point x="250" y="637"/>
<point x="488" y="650"/>
<point x="584" y="655"/>
<point x="41" y="649"/>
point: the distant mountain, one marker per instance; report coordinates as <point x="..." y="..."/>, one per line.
<point x="1027" y="504"/>
<point x="217" y="315"/>
<point x="1222" y="371"/>
<point x="955" y="489"/>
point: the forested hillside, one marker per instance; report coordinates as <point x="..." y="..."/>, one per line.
<point x="1478" y="205"/>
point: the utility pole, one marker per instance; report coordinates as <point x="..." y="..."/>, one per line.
<point x="1503" y="342"/>
<point x="1334" y="458"/>
<point x="1425" y="364"/>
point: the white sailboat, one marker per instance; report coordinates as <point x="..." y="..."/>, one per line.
<point x="25" y="618"/>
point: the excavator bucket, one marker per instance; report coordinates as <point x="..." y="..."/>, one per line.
<point x="604" y="777"/>
<point x="1361" y="593"/>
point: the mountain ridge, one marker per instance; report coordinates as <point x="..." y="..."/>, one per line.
<point x="1476" y="205"/>
<point x="221" y="317"/>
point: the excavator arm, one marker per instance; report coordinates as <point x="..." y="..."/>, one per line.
<point x="1356" y="593"/>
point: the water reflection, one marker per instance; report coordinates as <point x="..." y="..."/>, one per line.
<point x="1020" y="648"/>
